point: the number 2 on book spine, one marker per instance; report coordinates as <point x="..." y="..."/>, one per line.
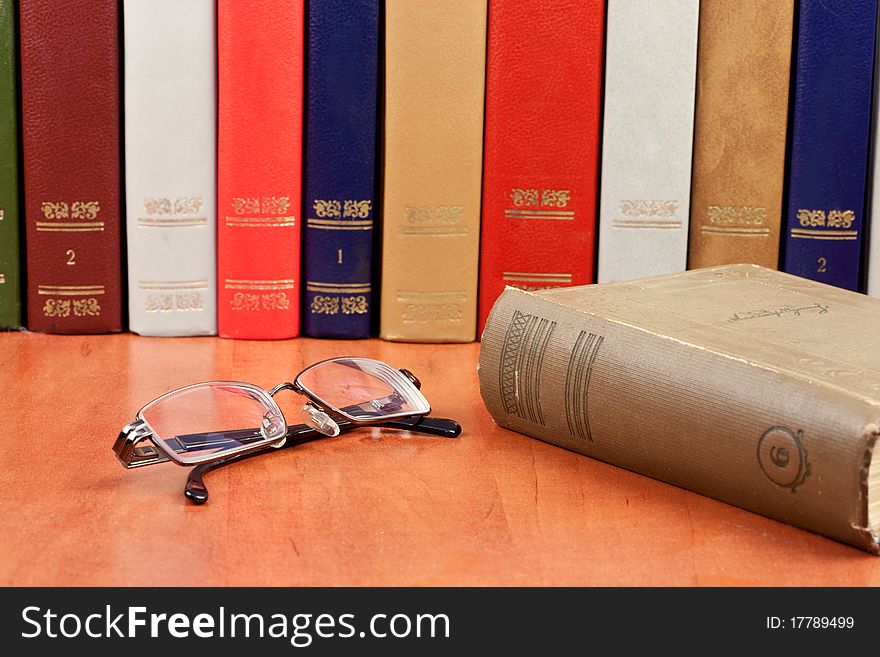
<point x="71" y="256"/>
<point x="823" y="266"/>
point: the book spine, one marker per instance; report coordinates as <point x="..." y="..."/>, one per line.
<point x="740" y="127"/>
<point x="542" y="145"/>
<point x="751" y="436"/>
<point x="260" y="68"/>
<point x="170" y="146"/>
<point x="10" y="275"/>
<point x="340" y="160"/>
<point x="872" y="223"/>
<point x="434" y="92"/>
<point x="650" y="81"/>
<point x="829" y="150"/>
<point x="71" y="141"/>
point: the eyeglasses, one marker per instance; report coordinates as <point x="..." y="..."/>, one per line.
<point x="212" y="424"/>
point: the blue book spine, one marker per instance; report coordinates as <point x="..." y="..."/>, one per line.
<point x="830" y="135"/>
<point x="340" y="167"/>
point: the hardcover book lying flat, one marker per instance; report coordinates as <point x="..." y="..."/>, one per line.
<point x="755" y="387"/>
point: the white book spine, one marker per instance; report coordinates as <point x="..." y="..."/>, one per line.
<point x="170" y="178"/>
<point x="650" y="79"/>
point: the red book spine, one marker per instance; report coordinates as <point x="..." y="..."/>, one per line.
<point x="71" y="134"/>
<point x="259" y="151"/>
<point x="543" y="95"/>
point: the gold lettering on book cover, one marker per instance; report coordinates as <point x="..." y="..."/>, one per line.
<point x="82" y="216"/>
<point x="835" y="225"/>
<point x="359" y="209"/>
<point x="439" y="220"/>
<point x="533" y="203"/>
<point x="334" y="305"/>
<point x="833" y="219"/>
<point x="555" y="198"/>
<point x="730" y="215"/>
<point x="741" y="220"/>
<point x="55" y="210"/>
<point x="84" y="209"/>
<point x="522" y="359"/>
<point x="431" y="312"/>
<point x="245" y="205"/>
<point x="782" y="457"/>
<point x="524" y="197"/>
<point x="535" y="198"/>
<point x="577" y="384"/>
<point x="174" y="206"/>
<point x="268" y="205"/>
<point x="648" y="208"/>
<point x="81" y="307"/>
<point x="260" y="301"/>
<point x="174" y="301"/>
<point x="327" y="208"/>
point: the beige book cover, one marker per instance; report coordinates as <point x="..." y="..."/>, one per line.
<point x="755" y="387"/>
<point x="435" y="61"/>
<point x="740" y="127"/>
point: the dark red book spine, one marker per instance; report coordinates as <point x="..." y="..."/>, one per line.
<point x="71" y="138"/>
<point x="543" y="94"/>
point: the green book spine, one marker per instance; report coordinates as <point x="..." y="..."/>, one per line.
<point x="10" y="265"/>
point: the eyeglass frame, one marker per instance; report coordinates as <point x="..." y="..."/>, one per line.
<point x="131" y="456"/>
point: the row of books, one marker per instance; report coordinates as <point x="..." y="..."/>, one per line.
<point x="243" y="193"/>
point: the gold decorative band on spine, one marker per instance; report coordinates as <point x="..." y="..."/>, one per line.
<point x="173" y="285"/>
<point x="735" y="230"/>
<point x="171" y="222"/>
<point x="413" y="295"/>
<point x="338" y="288"/>
<point x="261" y="221"/>
<point x="246" y="284"/>
<point x="70" y="290"/>
<point x="635" y="223"/>
<point x="813" y="234"/>
<point x="340" y="224"/>
<point x="536" y="277"/>
<point x="433" y="230"/>
<point x="558" y="215"/>
<point x="69" y="226"/>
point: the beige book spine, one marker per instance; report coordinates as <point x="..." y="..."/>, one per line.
<point x="761" y="439"/>
<point x="743" y="65"/>
<point x="434" y="88"/>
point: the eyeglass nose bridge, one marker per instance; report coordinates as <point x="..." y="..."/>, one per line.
<point x="285" y="385"/>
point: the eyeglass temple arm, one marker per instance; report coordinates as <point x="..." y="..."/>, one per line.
<point x="299" y="434"/>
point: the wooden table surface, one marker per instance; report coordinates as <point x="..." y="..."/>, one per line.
<point x="374" y="507"/>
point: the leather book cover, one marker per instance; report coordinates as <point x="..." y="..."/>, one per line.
<point x="71" y="127"/>
<point x="829" y="140"/>
<point x="650" y="81"/>
<point x="340" y="168"/>
<point x="170" y="166"/>
<point x="10" y="259"/>
<point x="723" y="380"/>
<point x="543" y="104"/>
<point x="435" y="56"/>
<point x="740" y="128"/>
<point x="259" y="165"/>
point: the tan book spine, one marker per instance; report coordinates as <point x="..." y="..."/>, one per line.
<point x="717" y="425"/>
<point x="743" y="65"/>
<point x="434" y="88"/>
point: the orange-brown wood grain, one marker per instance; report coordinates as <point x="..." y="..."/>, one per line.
<point x="366" y="508"/>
